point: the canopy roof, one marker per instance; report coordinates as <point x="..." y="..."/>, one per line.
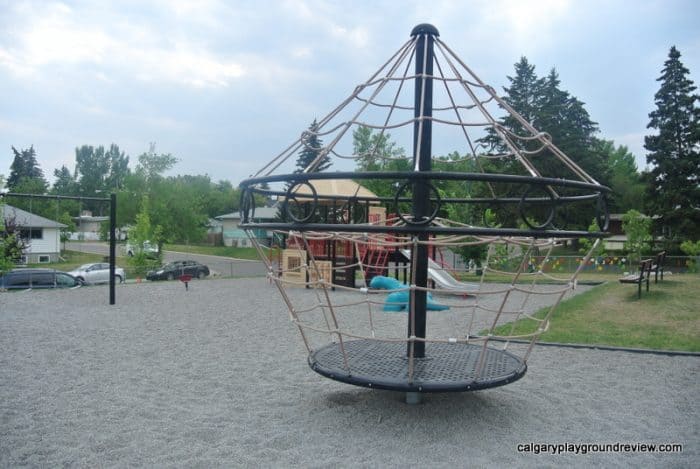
<point x="337" y="188"/>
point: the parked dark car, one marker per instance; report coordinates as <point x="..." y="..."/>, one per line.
<point x="173" y="270"/>
<point x="23" y="279"/>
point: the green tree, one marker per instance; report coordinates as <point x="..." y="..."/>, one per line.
<point x="625" y="181"/>
<point x="585" y="244"/>
<point x="674" y="152"/>
<point x="475" y="253"/>
<point x="691" y="249"/>
<point x="178" y="206"/>
<point x="377" y="152"/>
<point x="524" y="95"/>
<point x="118" y="168"/>
<point x="25" y="166"/>
<point x="152" y="165"/>
<point x="312" y="146"/>
<point x="69" y="229"/>
<point x="91" y="169"/>
<point x="12" y="246"/>
<point x="38" y="206"/>
<point x="146" y="180"/>
<point x="64" y="182"/>
<point x="141" y="232"/>
<point x="565" y="118"/>
<point x="548" y="108"/>
<point x="26" y="177"/>
<point x="637" y="228"/>
<point x="222" y="198"/>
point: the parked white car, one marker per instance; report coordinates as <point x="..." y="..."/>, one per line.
<point x="150" y="249"/>
<point x="97" y="273"/>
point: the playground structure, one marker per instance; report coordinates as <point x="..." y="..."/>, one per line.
<point x="340" y="241"/>
<point x="340" y="262"/>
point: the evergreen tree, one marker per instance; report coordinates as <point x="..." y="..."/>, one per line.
<point x="524" y="95"/>
<point x="311" y="149"/>
<point x="566" y="120"/>
<point x="674" y="152"/>
<point x="25" y="166"/>
<point x="548" y="108"/>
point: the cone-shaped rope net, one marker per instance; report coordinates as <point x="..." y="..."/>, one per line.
<point x="374" y="282"/>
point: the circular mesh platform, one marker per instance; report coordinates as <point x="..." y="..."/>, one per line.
<point x="445" y="368"/>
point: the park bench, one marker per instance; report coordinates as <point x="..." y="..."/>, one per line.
<point x="658" y="266"/>
<point x="639" y="278"/>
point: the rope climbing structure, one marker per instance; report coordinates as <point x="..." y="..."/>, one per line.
<point x="438" y="327"/>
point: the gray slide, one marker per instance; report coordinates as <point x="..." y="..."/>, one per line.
<point x="443" y="279"/>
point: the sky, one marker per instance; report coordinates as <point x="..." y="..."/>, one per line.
<point x="225" y="86"/>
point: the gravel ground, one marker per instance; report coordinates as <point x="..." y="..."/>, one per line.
<point x="217" y="377"/>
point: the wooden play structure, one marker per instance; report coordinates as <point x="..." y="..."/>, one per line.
<point x="340" y="260"/>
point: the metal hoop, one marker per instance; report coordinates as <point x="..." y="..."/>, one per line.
<point x="247" y="203"/>
<point x="602" y="213"/>
<point x="552" y="209"/>
<point x="291" y="196"/>
<point x="424" y="221"/>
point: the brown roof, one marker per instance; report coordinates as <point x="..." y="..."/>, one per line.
<point x="334" y="187"/>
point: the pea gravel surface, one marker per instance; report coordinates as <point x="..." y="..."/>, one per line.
<point x="216" y="376"/>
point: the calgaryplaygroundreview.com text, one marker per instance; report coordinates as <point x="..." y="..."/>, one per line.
<point x="586" y="448"/>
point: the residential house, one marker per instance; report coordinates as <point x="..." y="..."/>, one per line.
<point x="41" y="235"/>
<point x="617" y="239"/>
<point x="234" y="236"/>
<point x="87" y="227"/>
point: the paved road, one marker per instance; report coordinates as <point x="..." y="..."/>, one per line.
<point x="224" y="266"/>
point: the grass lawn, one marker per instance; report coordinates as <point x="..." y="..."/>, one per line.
<point x="71" y="260"/>
<point x="665" y="318"/>
<point x="225" y="251"/>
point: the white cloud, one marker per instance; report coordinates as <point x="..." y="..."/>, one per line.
<point x="320" y="15"/>
<point x="184" y="65"/>
<point x="60" y="37"/>
<point x="302" y="52"/>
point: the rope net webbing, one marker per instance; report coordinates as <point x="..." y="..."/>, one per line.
<point x="325" y="310"/>
<point x="469" y="111"/>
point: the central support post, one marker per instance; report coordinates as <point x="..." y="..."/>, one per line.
<point x="422" y="152"/>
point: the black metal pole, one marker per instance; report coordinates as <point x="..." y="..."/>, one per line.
<point x="422" y="149"/>
<point x="112" y="244"/>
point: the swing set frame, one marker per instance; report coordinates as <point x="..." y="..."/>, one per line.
<point x="112" y="200"/>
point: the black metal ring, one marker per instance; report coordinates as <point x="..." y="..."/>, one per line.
<point x="291" y="196"/>
<point x="485" y="220"/>
<point x="247" y="204"/>
<point x="602" y="213"/>
<point x="411" y="221"/>
<point x="552" y="209"/>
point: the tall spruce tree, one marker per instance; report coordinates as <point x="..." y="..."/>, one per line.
<point x="674" y="153"/>
<point x="524" y="95"/>
<point x="311" y="148"/>
<point x="548" y="108"/>
<point x="25" y="166"/>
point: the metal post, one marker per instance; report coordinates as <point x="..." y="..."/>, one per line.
<point x="112" y="244"/>
<point x="422" y="149"/>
